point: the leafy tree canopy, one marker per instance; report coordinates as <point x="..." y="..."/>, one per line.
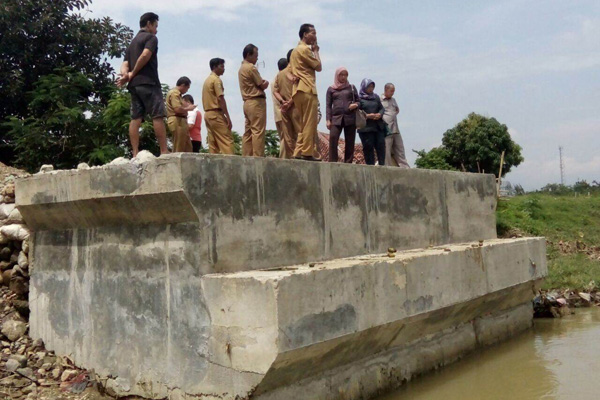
<point x="475" y="144"/>
<point x="54" y="77"/>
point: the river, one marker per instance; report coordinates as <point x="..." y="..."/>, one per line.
<point x="557" y="359"/>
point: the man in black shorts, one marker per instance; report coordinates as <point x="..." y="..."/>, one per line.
<point x="140" y="70"/>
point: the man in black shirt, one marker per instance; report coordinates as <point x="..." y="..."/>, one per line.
<point x="140" y="71"/>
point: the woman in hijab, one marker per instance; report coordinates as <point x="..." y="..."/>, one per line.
<point x="342" y="102"/>
<point x="373" y="134"/>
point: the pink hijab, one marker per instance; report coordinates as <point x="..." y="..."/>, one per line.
<point x="337" y="85"/>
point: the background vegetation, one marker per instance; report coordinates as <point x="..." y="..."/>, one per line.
<point x="571" y="225"/>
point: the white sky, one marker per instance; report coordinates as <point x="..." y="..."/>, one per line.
<point x="533" y="65"/>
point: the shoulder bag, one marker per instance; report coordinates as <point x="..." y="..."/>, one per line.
<point x="361" y="116"/>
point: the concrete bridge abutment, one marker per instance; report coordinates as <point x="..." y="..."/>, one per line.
<point x="231" y="278"/>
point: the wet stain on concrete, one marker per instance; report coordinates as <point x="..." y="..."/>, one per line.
<point x="42" y="198"/>
<point x="466" y="186"/>
<point x="421" y="304"/>
<point x="222" y="187"/>
<point x="323" y="326"/>
<point x="119" y="180"/>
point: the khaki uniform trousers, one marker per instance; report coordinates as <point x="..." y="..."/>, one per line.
<point x="307" y="105"/>
<point x="253" y="141"/>
<point x="394" y="151"/>
<point x="181" y="134"/>
<point x="290" y="126"/>
<point x="220" y="139"/>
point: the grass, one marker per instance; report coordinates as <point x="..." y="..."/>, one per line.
<point x="558" y="218"/>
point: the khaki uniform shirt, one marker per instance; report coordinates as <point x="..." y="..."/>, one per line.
<point x="174" y="100"/>
<point x="283" y="85"/>
<point x="303" y="64"/>
<point x="390" y="115"/>
<point x="250" y="80"/>
<point x="211" y="91"/>
<point x="276" y="105"/>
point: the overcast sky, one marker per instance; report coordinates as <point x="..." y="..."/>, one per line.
<point x="533" y="65"/>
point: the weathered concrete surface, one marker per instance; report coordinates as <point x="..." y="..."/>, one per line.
<point x="295" y="332"/>
<point x="157" y="273"/>
<point x="235" y="213"/>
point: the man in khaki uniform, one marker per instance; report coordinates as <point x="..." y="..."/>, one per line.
<point x="281" y="64"/>
<point x="290" y="118"/>
<point x="177" y="116"/>
<point x="305" y="62"/>
<point x="252" y="87"/>
<point x="216" y="115"/>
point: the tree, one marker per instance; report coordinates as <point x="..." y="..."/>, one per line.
<point x="519" y="191"/>
<point x="46" y="45"/>
<point x="582" y="186"/>
<point x="433" y="159"/>
<point x="271" y="143"/>
<point x="475" y="145"/>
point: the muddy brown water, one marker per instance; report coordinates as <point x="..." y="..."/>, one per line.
<point x="557" y="359"/>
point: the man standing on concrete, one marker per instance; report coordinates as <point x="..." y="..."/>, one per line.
<point x="290" y="118"/>
<point x="305" y="62"/>
<point x="281" y="65"/>
<point x="216" y="115"/>
<point x="177" y="114"/>
<point x="253" y="86"/>
<point x="140" y="71"/>
<point x="394" y="146"/>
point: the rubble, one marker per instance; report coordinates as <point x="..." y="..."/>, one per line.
<point x="558" y="303"/>
<point x="27" y="370"/>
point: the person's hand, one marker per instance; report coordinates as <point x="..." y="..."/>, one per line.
<point x="191" y="107"/>
<point x="353" y="106"/>
<point x="229" y="124"/>
<point x="286" y="105"/>
<point x="376" y="117"/>
<point x="293" y="78"/>
<point x="315" y="47"/>
<point x="122" y="80"/>
<point x="328" y="123"/>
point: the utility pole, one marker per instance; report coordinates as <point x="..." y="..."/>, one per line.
<point x="562" y="166"/>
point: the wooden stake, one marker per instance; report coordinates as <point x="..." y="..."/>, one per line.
<point x="500" y="173"/>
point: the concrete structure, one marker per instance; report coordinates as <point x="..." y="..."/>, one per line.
<point x="188" y="274"/>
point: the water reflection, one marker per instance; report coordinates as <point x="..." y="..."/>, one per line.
<point x="558" y="359"/>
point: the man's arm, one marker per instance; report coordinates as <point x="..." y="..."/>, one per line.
<point x="313" y="58"/>
<point x="284" y="104"/>
<point x="124" y="77"/>
<point x="182" y="111"/>
<point x="276" y="93"/>
<point x="140" y="63"/>
<point x="177" y="104"/>
<point x="223" y="105"/>
<point x="258" y="80"/>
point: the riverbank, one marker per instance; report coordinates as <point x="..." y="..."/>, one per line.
<point x="553" y="360"/>
<point x="571" y="226"/>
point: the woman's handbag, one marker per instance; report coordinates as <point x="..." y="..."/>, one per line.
<point x="361" y="116"/>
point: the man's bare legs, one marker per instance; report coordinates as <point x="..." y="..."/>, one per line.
<point x="161" y="134"/>
<point x="159" y="130"/>
<point x="134" y="135"/>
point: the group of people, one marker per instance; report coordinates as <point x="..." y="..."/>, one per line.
<point x="296" y="105"/>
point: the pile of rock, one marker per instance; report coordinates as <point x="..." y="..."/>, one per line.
<point x="558" y="303"/>
<point x="14" y="245"/>
<point x="27" y="370"/>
